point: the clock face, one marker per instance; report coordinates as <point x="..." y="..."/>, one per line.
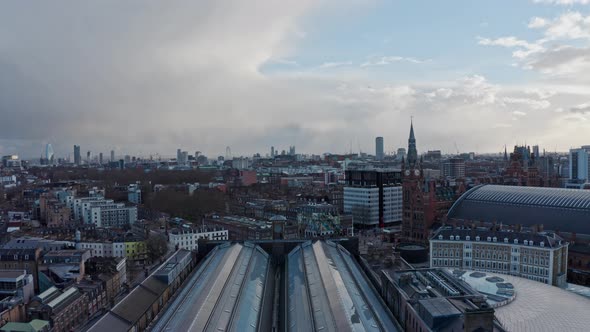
<point x="407" y="172"/>
<point x="417" y="172"/>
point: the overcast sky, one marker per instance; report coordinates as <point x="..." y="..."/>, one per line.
<point x="147" y="77"/>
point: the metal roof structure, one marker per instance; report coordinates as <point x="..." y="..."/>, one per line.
<point x="226" y="293"/>
<point x="556" y="208"/>
<point x="326" y="291"/>
<point x="241" y="287"/>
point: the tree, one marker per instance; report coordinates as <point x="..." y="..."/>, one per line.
<point x="156" y="246"/>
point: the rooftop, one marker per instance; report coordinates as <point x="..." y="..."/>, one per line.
<point x="556" y="208"/>
<point x="541" y="307"/>
<point x="549" y="240"/>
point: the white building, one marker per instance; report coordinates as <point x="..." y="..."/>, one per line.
<point x="99" y="211"/>
<point x="541" y="257"/>
<point x="186" y="238"/>
<point x="579" y="167"/>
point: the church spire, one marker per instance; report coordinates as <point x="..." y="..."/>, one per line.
<point x="412" y="152"/>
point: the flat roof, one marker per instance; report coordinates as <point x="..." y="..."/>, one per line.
<point x="541" y="307"/>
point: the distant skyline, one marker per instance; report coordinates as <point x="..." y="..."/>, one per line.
<point x="145" y="77"/>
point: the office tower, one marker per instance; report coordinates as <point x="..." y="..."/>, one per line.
<point x="112" y="155"/>
<point x="49" y="153"/>
<point x="178" y="155"/>
<point x="401" y="154"/>
<point x="453" y="168"/>
<point x="373" y="197"/>
<point x="100" y="158"/>
<point x="77" y="156"/>
<point x="579" y="167"/>
<point x="88" y="157"/>
<point x="379" y="148"/>
<point x="292" y="150"/>
<point x="536" y="152"/>
<point x="272" y="151"/>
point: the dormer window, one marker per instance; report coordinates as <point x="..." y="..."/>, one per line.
<point x="495" y="239"/>
<point x="440" y="237"/>
<point x="457" y="237"/>
<point x="489" y="238"/>
<point x="468" y="238"/>
<point x="530" y="242"/>
<point x="526" y="242"/>
<point x="542" y="244"/>
<point x="477" y="238"/>
<point x="505" y="240"/>
<point x="452" y="237"/>
<point x="515" y="241"/>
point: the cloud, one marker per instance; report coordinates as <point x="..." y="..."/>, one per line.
<point x="387" y="60"/>
<point x="335" y="64"/>
<point x="537" y="22"/>
<point x="525" y="48"/>
<point x="571" y="25"/>
<point x="581" y="108"/>
<point x="563" y="2"/>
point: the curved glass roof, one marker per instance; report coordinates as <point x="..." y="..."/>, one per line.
<point x="554" y="197"/>
<point x="327" y="291"/>
<point x="556" y="208"/>
<point x="226" y="293"/>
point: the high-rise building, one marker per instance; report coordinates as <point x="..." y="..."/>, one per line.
<point x="77" y="155"/>
<point x="292" y="150"/>
<point x="453" y="168"/>
<point x="579" y="167"/>
<point x="112" y="155"/>
<point x="272" y="151"/>
<point x="401" y="154"/>
<point x="373" y="196"/>
<point x="536" y="152"/>
<point x="100" y="158"/>
<point x="379" y="148"/>
<point x="49" y="155"/>
<point x="88" y="157"/>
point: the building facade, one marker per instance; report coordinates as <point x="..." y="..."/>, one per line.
<point x="453" y="168"/>
<point x="541" y="257"/>
<point x="188" y="238"/>
<point x="579" y="167"/>
<point x="373" y="196"/>
<point x="379" y="154"/>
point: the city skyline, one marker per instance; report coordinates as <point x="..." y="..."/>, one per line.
<point x="322" y="76"/>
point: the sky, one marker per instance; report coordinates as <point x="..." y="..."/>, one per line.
<point x="145" y="77"/>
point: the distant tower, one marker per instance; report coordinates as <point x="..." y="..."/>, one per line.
<point x="379" y="148"/>
<point x="100" y="158"/>
<point x="77" y="155"/>
<point x="272" y="151"/>
<point x="228" y="153"/>
<point x="412" y="152"/>
<point x="88" y="157"/>
<point x="505" y="154"/>
<point x="112" y="155"/>
<point x="49" y="153"/>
